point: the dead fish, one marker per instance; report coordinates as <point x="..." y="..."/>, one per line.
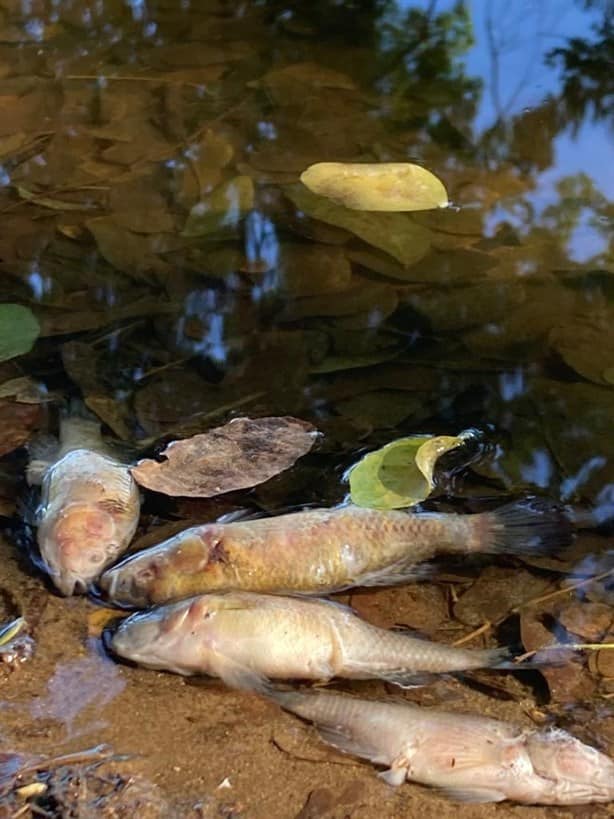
<point x="324" y="550"/>
<point x="89" y="506"/>
<point x="240" y="635"/>
<point x="471" y="758"/>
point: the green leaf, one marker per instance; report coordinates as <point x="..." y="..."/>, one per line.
<point x="399" y="474"/>
<point x="395" y="233"/>
<point x="19" y="329"/>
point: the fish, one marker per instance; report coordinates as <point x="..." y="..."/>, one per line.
<point x="319" y="551"/>
<point x="469" y="758"/>
<point x="89" y="507"/>
<point x="237" y="636"/>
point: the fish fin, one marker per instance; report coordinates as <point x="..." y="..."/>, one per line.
<point x="394" y="776"/>
<point x="408" y="679"/>
<point x="533" y="526"/>
<point x="473" y="794"/>
<point x="504" y="659"/>
<point x="240" y="515"/>
<point x="29" y="506"/>
<point x="409" y="631"/>
<point x="401" y="572"/>
<point x="497" y="658"/>
<point x="239" y="676"/>
<point x="340" y="739"/>
<point x="43" y="451"/>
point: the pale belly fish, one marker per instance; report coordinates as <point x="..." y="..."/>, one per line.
<point x="324" y="550"/>
<point x="242" y="636"/>
<point x="470" y="758"/>
<point x="89" y="507"/>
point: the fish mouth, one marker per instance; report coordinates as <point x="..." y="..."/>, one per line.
<point x="121" y="589"/>
<point x="69" y="585"/>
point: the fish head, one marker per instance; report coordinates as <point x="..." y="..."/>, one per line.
<point x="75" y="545"/>
<point x="168" y="637"/>
<point x="171" y="570"/>
<point x="579" y="773"/>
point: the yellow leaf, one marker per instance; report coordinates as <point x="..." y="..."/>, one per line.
<point x="399" y="474"/>
<point x="386" y="186"/>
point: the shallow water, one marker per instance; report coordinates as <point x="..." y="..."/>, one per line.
<point x="152" y="220"/>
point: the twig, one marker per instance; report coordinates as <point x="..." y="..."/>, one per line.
<point x="97" y="754"/>
<point x="481" y="630"/>
<point x="551" y="595"/>
<point x="535" y="601"/>
<point x="566" y="647"/>
<point x="134" y="78"/>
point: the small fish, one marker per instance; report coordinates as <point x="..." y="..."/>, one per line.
<point x="471" y="758"/>
<point x="89" y="506"/>
<point x="324" y="550"/>
<point x="241" y="635"/>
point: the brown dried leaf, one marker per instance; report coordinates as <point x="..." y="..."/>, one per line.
<point x="16" y="422"/>
<point x="495" y="593"/>
<point x="588" y="620"/>
<point x="241" y="454"/>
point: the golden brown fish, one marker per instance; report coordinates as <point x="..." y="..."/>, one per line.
<point x="324" y="550"/>
<point x="471" y="758"/>
<point x="89" y="506"/>
<point x="238" y="635"/>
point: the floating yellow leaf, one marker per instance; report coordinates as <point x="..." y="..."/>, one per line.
<point x="401" y="473"/>
<point x="385" y="186"/>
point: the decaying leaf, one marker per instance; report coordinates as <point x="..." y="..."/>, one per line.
<point x="587" y="347"/>
<point x="399" y="474"/>
<point x="335" y="363"/>
<point x="395" y="233"/>
<point x="16" y="423"/>
<point x="385" y="186"/>
<point x="241" y="454"/>
<point x="222" y="210"/>
<point x="24" y="390"/>
<point x="114" y="413"/>
<point x="292" y="83"/>
<point x="19" y="329"/>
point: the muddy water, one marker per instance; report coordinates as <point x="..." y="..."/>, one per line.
<point x="154" y="224"/>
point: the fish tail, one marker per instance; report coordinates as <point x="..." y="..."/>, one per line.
<point x="529" y="527"/>
<point x="505" y="659"/>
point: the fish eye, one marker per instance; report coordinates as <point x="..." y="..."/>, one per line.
<point x="96" y="557"/>
<point x="145" y="575"/>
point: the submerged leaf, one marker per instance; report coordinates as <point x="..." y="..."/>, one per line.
<point x="16" y="423"/>
<point x="385" y="186"/>
<point x="400" y="473"/>
<point x="19" y="329"/>
<point x="395" y="233"/>
<point x="222" y="210"/>
<point x="241" y="454"/>
<point x="587" y="346"/>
